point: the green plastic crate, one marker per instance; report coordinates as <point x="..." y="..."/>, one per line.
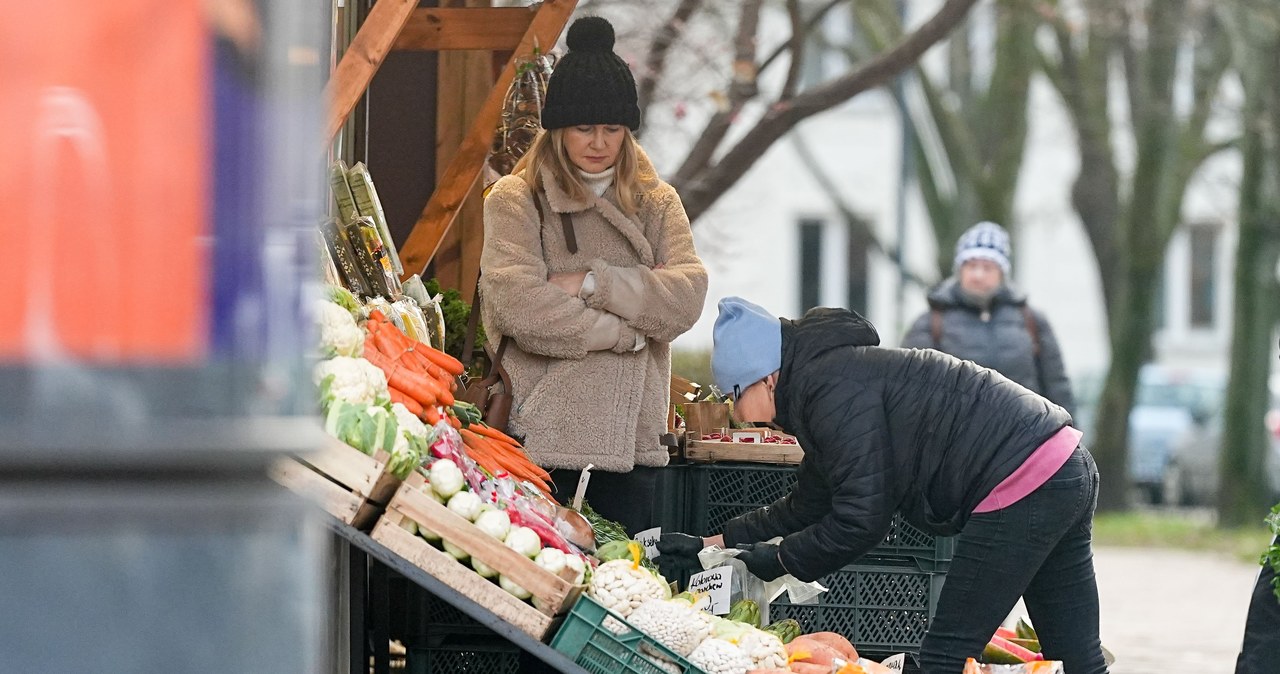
<point x="584" y="639"/>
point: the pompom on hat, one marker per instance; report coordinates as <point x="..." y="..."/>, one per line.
<point x="984" y="241"/>
<point x="591" y="84"/>
<point x="747" y="345"/>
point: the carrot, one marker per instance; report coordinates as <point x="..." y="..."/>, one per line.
<point x="494" y="434"/>
<point x="398" y="396"/>
<point x="431" y="414"/>
<point x="454" y="421"/>
<point x="377" y="315"/>
<point x="417" y="386"/>
<point x="515" y="460"/>
<point x="446" y="362"/>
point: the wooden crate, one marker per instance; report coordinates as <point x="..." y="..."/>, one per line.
<point x="555" y="593"/>
<point x="349" y="484"/>
<point x="712" y="451"/>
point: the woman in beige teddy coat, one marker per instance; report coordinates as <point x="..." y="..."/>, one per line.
<point x="589" y="267"/>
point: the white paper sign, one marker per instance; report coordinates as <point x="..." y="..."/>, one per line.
<point x="649" y="539"/>
<point x="714" y="584"/>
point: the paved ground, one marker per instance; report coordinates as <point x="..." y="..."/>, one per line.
<point x="1167" y="611"/>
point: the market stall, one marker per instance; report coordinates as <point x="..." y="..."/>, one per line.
<point x="421" y="487"/>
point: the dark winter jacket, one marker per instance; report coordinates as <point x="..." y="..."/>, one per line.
<point x="886" y="430"/>
<point x="998" y="339"/>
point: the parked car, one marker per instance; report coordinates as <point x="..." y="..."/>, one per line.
<point x="1191" y="474"/>
<point x="1168" y="403"/>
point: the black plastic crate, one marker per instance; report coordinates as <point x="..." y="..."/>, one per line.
<point x="880" y="608"/>
<point x="721" y="492"/>
<point x="491" y="657"/>
<point x="671" y="498"/>
<point x="431" y="620"/>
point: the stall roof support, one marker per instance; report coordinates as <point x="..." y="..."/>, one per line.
<point x="458" y="179"/>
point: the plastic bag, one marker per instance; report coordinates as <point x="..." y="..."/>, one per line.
<point x="521" y="113"/>
<point x="746" y="585"/>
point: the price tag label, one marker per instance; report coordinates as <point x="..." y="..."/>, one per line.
<point x="714" y="584"/>
<point x="649" y="539"/>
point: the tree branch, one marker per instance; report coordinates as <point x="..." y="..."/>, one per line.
<point x="798" y="35"/>
<point x="742" y="87"/>
<point x="656" y="61"/>
<point x="703" y="190"/>
<point x="808" y="28"/>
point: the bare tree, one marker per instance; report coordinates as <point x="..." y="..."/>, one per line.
<point x="714" y="164"/>
<point x="1255" y="31"/>
<point x="1130" y="216"/>
<point x="980" y="124"/>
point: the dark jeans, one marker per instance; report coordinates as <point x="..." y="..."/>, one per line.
<point x="1039" y="549"/>
<point x="1260" y="653"/>
<point x="625" y="498"/>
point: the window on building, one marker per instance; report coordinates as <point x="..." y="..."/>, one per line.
<point x="810" y="263"/>
<point x="1202" y="289"/>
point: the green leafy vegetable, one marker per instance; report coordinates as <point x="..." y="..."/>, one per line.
<point x="456" y="312"/>
<point x="1271" y="557"/>
<point x="610" y="534"/>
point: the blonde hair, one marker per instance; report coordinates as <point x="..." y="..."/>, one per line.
<point x="548" y="151"/>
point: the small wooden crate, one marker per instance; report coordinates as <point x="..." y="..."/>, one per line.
<point x="713" y="451"/>
<point x="554" y="594"/>
<point x="349" y="484"/>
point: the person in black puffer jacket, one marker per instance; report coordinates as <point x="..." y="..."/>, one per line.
<point x="979" y="315"/>
<point x="956" y="448"/>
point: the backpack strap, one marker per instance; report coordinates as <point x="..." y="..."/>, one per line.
<point x="1033" y="329"/>
<point x="935" y="327"/>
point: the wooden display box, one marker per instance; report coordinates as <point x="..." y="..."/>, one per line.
<point x="554" y="594"/>
<point x="712" y="451"/>
<point x="347" y="483"/>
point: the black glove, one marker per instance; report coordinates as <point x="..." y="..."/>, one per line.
<point x="682" y="545"/>
<point x="762" y="560"/>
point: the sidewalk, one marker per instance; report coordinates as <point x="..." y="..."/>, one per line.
<point x="1172" y="610"/>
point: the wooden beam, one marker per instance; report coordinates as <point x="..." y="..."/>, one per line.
<point x="456" y="181"/>
<point x="465" y="78"/>
<point x="487" y="28"/>
<point x="361" y="60"/>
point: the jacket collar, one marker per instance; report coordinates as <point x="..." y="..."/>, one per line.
<point x="561" y="202"/>
<point x="820" y="330"/>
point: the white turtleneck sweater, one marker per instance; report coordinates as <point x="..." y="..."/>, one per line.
<point x="597" y="182"/>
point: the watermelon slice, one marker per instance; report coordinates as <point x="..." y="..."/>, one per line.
<point x="1007" y="633"/>
<point x="1001" y="651"/>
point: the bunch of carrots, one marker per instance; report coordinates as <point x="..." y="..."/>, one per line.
<point x="423" y="379"/>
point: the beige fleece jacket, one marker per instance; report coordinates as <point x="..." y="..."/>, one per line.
<point x="581" y="393"/>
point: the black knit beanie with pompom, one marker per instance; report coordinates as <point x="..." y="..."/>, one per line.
<point x="591" y="84"/>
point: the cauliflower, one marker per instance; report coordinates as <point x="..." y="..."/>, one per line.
<point x="352" y="380"/>
<point x="410" y="425"/>
<point x="674" y="623"/>
<point x="717" y="656"/>
<point x="622" y="586"/>
<point x="339" y="334"/>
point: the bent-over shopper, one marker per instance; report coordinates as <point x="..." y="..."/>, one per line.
<point x="956" y="448"/>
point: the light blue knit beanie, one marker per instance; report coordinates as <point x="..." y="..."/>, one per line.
<point x="747" y="345"/>
<point x="984" y="241"/>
